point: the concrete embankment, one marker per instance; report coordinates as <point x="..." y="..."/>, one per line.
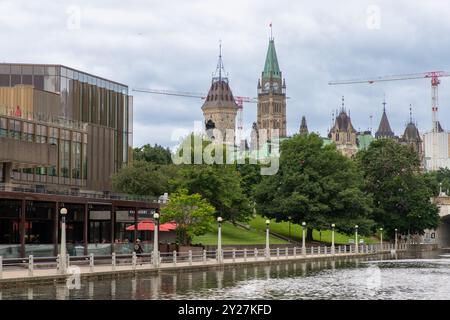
<point x="17" y="277"/>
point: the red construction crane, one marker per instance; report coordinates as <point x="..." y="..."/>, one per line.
<point x="239" y="100"/>
<point x="434" y="75"/>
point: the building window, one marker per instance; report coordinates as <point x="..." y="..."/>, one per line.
<point x="3" y="127"/>
<point x="14" y="129"/>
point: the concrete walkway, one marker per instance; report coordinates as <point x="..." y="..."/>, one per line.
<point x="38" y="275"/>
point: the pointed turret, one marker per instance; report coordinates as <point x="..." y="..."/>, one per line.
<point x="220" y="108"/>
<point x="303" y="126"/>
<point x="271" y="68"/>
<point x="271" y="114"/>
<point x="384" y="129"/>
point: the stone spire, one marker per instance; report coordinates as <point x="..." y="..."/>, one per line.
<point x="303" y="126"/>
<point x="384" y="129"/>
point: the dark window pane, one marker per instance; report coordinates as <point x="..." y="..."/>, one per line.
<point x="4" y="80"/>
<point x="15" y="79"/>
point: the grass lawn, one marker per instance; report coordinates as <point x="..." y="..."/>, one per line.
<point x="235" y="235"/>
<point x="282" y="228"/>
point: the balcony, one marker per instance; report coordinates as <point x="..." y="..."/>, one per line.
<point x="27" y="154"/>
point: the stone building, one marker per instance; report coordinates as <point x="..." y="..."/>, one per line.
<point x="384" y="129"/>
<point x="220" y="108"/>
<point x="411" y="136"/>
<point x="303" y="126"/>
<point x="343" y="134"/>
<point x="271" y="110"/>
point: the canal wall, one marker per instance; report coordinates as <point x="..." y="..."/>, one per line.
<point x="24" y="277"/>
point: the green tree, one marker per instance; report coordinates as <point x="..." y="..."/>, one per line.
<point x="144" y="178"/>
<point x="193" y="215"/>
<point x="155" y="154"/>
<point x="315" y="184"/>
<point x="220" y="183"/>
<point x="400" y="191"/>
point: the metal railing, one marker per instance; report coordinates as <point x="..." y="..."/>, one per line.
<point x="116" y="261"/>
<point x="30" y="188"/>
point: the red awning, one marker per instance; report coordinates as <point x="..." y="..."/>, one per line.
<point x="148" y="225"/>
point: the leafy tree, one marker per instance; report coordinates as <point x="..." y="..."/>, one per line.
<point x="155" y="154"/>
<point x="439" y="180"/>
<point x="193" y="214"/>
<point x="315" y="184"/>
<point x="144" y="178"/>
<point x="220" y="185"/>
<point x="400" y="191"/>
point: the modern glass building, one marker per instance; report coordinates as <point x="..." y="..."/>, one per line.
<point x="87" y="118"/>
<point x="63" y="133"/>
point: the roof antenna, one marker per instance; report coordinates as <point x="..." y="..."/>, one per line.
<point x="384" y="103"/>
<point x="410" y="113"/>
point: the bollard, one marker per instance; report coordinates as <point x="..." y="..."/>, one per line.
<point x="234" y="255"/>
<point x="325" y="250"/>
<point x="204" y="256"/>
<point x="91" y="262"/>
<point x="295" y="251"/>
<point x="278" y="253"/>
<point x="256" y="254"/>
<point x="133" y="260"/>
<point x="367" y="248"/>
<point x="1" y="267"/>
<point x="190" y="257"/>
<point x="245" y="254"/>
<point x="174" y="258"/>
<point x="113" y="261"/>
<point x="339" y="249"/>
<point x="318" y="249"/>
<point x="287" y="252"/>
<point x="30" y="266"/>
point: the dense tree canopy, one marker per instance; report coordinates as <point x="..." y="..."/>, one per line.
<point x="144" y="178"/>
<point x="194" y="216"/>
<point x="155" y="154"/>
<point x="315" y="184"/>
<point x="400" y="191"/>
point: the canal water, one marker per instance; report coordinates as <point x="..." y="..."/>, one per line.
<point x="402" y="276"/>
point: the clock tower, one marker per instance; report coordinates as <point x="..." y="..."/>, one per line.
<point x="271" y="112"/>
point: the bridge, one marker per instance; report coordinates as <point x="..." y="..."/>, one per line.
<point x="442" y="233"/>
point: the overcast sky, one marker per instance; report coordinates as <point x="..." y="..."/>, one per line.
<point x="174" y="45"/>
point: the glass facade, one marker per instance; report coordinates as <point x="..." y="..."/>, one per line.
<point x="68" y="97"/>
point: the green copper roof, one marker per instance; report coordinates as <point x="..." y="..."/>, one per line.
<point x="364" y="141"/>
<point x="271" y="67"/>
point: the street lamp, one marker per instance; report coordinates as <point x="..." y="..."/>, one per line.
<point x="62" y="255"/>
<point x="356" y="239"/>
<point x="332" y="238"/>
<point x="267" y="240"/>
<point x="395" y="239"/>
<point x="219" y="239"/>
<point x="156" y="241"/>
<point x="303" y="238"/>
<point x="381" y="238"/>
<point x="289" y="226"/>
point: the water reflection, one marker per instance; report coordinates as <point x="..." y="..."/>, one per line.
<point x="399" y="276"/>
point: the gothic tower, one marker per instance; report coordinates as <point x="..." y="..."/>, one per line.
<point x="384" y="129"/>
<point x="303" y="126"/>
<point x="220" y="108"/>
<point x="271" y="112"/>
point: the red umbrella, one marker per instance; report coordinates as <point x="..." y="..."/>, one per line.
<point x="148" y="225"/>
